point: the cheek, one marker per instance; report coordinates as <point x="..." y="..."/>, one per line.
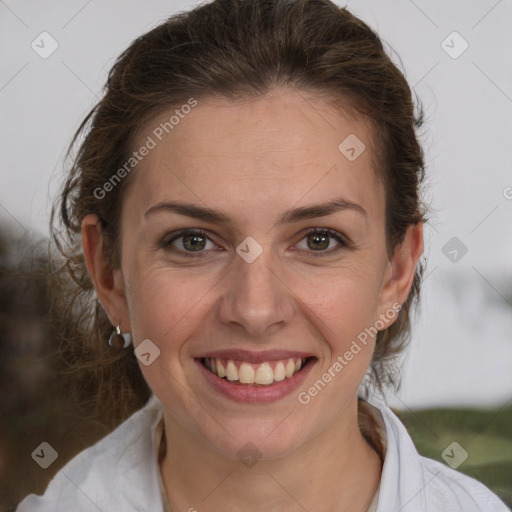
<point x="344" y="308"/>
<point x="344" y="311"/>
<point x="162" y="304"/>
<point x="165" y="308"/>
<point x="344" y="302"/>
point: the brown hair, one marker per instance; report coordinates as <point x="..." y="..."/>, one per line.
<point x="236" y="49"/>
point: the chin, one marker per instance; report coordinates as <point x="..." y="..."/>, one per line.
<point x="252" y="443"/>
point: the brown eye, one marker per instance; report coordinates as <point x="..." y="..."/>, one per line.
<point x="193" y="242"/>
<point x="320" y="241"/>
<point x="186" y="243"/>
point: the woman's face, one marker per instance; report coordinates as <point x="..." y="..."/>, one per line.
<point x="256" y="286"/>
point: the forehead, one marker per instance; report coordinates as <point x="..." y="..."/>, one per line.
<point x="256" y="155"/>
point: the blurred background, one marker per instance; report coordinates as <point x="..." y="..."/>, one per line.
<point x="457" y="377"/>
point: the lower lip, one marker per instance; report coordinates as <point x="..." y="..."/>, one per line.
<point x="254" y="393"/>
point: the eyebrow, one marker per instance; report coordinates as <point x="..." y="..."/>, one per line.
<point x="289" y="217"/>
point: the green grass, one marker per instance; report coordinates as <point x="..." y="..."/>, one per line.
<point x="485" y="434"/>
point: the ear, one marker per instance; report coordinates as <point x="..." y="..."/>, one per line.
<point x="108" y="282"/>
<point x="400" y="272"/>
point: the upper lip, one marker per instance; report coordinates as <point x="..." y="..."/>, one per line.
<point x="254" y="357"/>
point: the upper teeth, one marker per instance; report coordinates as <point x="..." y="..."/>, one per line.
<point x="246" y="373"/>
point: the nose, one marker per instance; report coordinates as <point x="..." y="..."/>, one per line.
<point x="256" y="298"/>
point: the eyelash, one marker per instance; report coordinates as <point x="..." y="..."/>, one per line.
<point x="343" y="241"/>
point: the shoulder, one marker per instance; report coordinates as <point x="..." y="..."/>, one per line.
<point x="118" y="473"/>
<point x="453" y="490"/>
<point x="411" y="482"/>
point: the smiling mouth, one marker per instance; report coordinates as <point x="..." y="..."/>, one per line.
<point x="250" y="374"/>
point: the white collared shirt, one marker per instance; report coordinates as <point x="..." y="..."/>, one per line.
<point x="120" y="473"/>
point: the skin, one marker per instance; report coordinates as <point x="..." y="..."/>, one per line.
<point x="254" y="161"/>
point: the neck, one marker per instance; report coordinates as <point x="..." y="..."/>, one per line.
<point x="337" y="470"/>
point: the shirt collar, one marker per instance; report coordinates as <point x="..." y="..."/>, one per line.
<point x="402" y="480"/>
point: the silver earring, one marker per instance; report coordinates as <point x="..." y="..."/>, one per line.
<point x="118" y="340"/>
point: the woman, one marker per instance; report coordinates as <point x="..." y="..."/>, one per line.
<point x="247" y="199"/>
